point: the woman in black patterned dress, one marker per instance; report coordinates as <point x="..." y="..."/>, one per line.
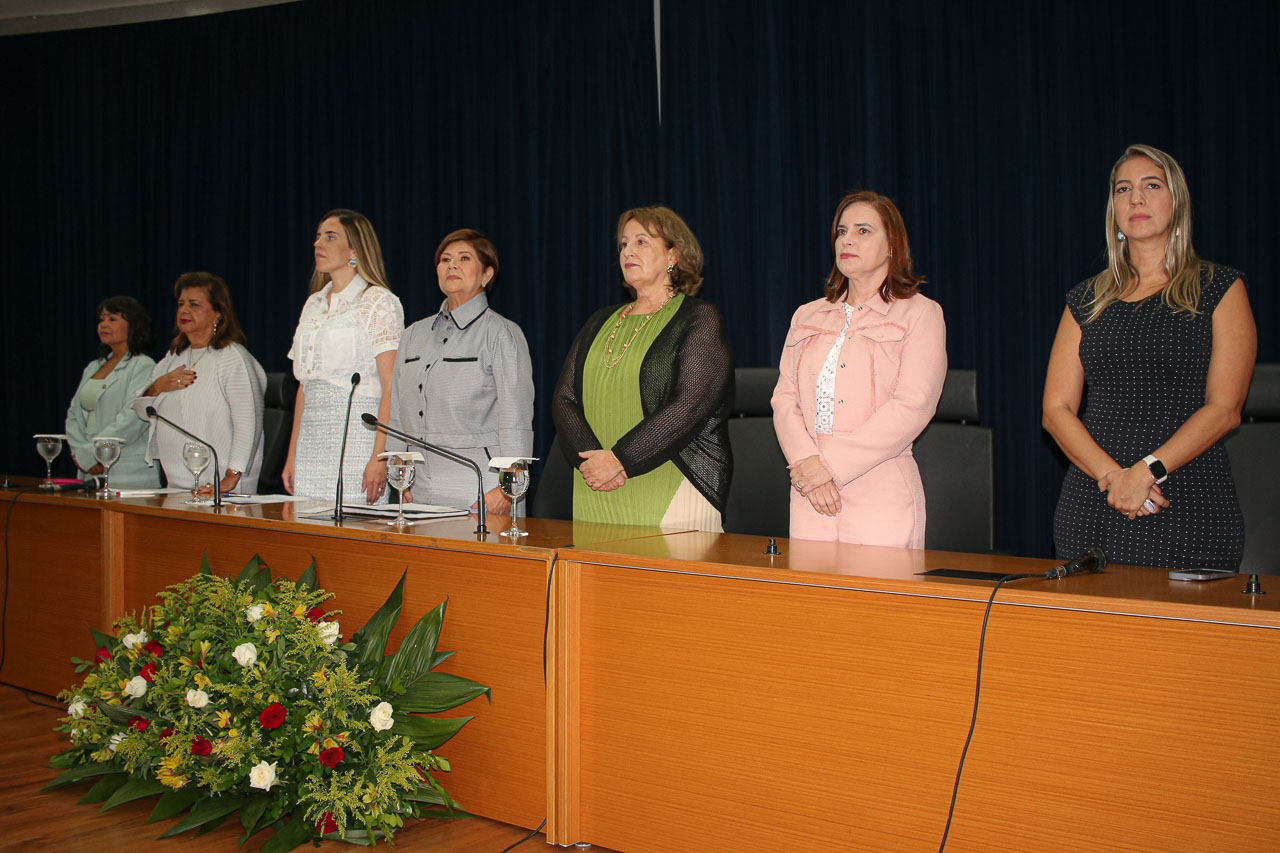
<point x="1165" y="343"/>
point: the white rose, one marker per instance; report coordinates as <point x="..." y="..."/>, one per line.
<point x="245" y="654"/>
<point x="115" y="741"/>
<point x="262" y="775"/>
<point x="136" y="687"/>
<point x="77" y="707"/>
<point x="254" y="613"/>
<point x="380" y="717"/>
<point x="197" y="698"/>
<point x="328" y="632"/>
<point x="133" y="641"/>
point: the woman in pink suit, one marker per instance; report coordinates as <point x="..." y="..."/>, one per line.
<point x="861" y="373"/>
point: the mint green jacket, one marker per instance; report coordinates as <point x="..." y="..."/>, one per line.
<point x="116" y="418"/>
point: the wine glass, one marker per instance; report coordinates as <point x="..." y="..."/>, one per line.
<point x="106" y="450"/>
<point x="514" y="482"/>
<point x="196" y="457"/>
<point x="49" y="447"/>
<point x="400" y="474"/>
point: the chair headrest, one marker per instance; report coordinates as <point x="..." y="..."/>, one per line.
<point x="959" y="401"/>
<point x="754" y="391"/>
<point x="282" y="390"/>
<point x="1263" y="403"/>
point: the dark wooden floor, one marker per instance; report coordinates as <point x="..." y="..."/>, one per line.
<point x="35" y="820"/>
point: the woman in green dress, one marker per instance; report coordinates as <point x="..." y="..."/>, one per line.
<point x="642" y="402"/>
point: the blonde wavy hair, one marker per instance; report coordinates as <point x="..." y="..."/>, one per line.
<point x="364" y="240"/>
<point x="1181" y="263"/>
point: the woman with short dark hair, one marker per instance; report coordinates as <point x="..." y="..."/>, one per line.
<point x="101" y="405"/>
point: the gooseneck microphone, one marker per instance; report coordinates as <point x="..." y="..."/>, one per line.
<point x="1093" y="560"/>
<point x="342" y="455"/>
<point x="217" y="481"/>
<point x="439" y="451"/>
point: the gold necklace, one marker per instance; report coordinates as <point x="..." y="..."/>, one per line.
<point x="609" y="362"/>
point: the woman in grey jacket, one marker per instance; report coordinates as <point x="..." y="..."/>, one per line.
<point x="463" y="380"/>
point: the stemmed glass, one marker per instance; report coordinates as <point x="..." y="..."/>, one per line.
<point x="106" y="450"/>
<point x="49" y="446"/>
<point x="514" y="482"/>
<point x="196" y="457"/>
<point x="400" y="474"/>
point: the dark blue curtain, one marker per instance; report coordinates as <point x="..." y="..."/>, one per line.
<point x="133" y="153"/>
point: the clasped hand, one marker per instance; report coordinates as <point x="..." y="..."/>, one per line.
<point x="602" y="470"/>
<point x="1131" y="492"/>
<point x="812" y="480"/>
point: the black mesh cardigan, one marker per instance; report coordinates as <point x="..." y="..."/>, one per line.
<point x="686" y="393"/>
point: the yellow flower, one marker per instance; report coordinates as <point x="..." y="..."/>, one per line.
<point x="314" y="749"/>
<point x="313" y="723"/>
<point x="202" y="680"/>
<point x="175" y="633"/>
<point x="330" y="743"/>
<point x="224" y="719"/>
<point x="267" y="609"/>
<point x="272" y="633"/>
<point x="343" y="736"/>
<point x="300" y="611"/>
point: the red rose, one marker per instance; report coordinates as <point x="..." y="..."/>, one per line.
<point x="200" y="746"/>
<point x="272" y="716"/>
<point x="153" y="648"/>
<point x="326" y="824"/>
<point x="331" y="756"/>
<point x="149" y="671"/>
<point x="103" y="655"/>
<point x="315" y="614"/>
<point x="165" y="733"/>
<point x="139" y="723"/>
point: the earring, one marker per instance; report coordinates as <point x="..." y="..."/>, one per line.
<point x="351" y="262"/>
<point x="671" y="268"/>
<point x="1120" y="236"/>
<point x="215" y="327"/>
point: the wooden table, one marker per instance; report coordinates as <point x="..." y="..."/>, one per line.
<point x="77" y="561"/>
<point x="707" y="697"/>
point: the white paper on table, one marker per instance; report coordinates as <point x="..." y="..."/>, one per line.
<point x="150" y="493"/>
<point x="414" y="511"/>
<point x="411" y="455"/>
<point x="501" y="463"/>
<point x="261" y="499"/>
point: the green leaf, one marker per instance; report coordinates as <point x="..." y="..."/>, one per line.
<point x="427" y="732"/>
<point x="249" y="816"/>
<point x="444" y="814"/>
<point x="117" y="713"/>
<point x="212" y="825"/>
<point x="204" y="564"/>
<point x="84" y="771"/>
<point x="134" y="789"/>
<point x="290" y="835"/>
<point x="101" y="640"/>
<point x="105" y="787"/>
<point x="250" y="569"/>
<point x="173" y="802"/>
<point x="307" y="580"/>
<point x="439" y="658"/>
<point x="207" y="810"/>
<point x="413" y="658"/>
<point x="434" y="692"/>
<point x="63" y="760"/>
<point x="371" y="640"/>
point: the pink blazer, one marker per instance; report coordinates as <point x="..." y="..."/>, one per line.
<point x="888" y="381"/>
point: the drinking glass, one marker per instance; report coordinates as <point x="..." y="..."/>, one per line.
<point x="400" y="474"/>
<point x="106" y="450"/>
<point x="514" y="482"/>
<point x="49" y="447"/>
<point x="196" y="457"/>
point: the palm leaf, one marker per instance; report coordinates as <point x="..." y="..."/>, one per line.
<point x="207" y="810"/>
<point x="105" y="787"/>
<point x="371" y="640"/>
<point x="307" y="580"/>
<point x="413" y="658"/>
<point x="290" y="835"/>
<point x="173" y="802"/>
<point x="134" y="789"/>
<point x="84" y="771"/>
<point x="428" y="732"/>
<point x="434" y="692"/>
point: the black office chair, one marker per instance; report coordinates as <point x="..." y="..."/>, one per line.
<point x="760" y="492"/>
<point x="956" y="460"/>
<point x="1254" y="451"/>
<point x="277" y="425"/>
<point x="553" y="490"/>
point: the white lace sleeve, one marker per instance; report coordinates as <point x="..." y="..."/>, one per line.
<point x="382" y="318"/>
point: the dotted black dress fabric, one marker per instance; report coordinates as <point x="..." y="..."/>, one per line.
<point x="1145" y="369"/>
<point x="686" y="393"/>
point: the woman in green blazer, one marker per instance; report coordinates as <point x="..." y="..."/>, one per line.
<point x="101" y="405"/>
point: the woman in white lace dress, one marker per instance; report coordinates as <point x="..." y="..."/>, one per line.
<point x="350" y="324"/>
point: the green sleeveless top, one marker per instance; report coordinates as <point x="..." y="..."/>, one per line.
<point x="611" y="401"/>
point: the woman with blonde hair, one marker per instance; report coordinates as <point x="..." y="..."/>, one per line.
<point x="1165" y="344"/>
<point x="642" y="401"/>
<point x="350" y="324"/>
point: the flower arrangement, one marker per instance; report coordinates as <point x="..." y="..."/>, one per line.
<point x="239" y="696"/>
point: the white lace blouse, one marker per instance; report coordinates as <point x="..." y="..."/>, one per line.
<point x="342" y="335"/>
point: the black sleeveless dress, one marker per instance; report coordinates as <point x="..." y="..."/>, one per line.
<point x="1145" y="368"/>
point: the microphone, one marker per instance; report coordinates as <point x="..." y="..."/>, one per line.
<point x="217" y="481"/>
<point x="88" y="484"/>
<point x="439" y="451"/>
<point x="1093" y="560"/>
<point x="342" y="455"/>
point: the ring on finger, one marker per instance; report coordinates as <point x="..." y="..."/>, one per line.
<point x="1148" y="505"/>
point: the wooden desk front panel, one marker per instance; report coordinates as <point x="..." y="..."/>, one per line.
<point x="54" y="594"/>
<point x="494" y="619"/>
<point x="728" y="714"/>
